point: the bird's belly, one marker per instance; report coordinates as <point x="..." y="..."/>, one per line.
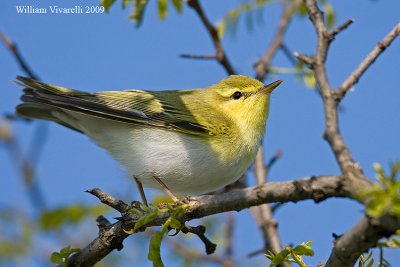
<point x="186" y="164"/>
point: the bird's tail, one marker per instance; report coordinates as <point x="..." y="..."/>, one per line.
<point x="40" y="101"/>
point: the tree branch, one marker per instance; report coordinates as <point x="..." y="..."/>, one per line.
<point x="316" y="188"/>
<point x="220" y="54"/>
<point x="366" y="63"/>
<point x="263" y="64"/>
<point x="365" y="234"/>
<point x="332" y="134"/>
<point x="263" y="213"/>
<point x="368" y="231"/>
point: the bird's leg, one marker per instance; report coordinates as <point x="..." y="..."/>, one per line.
<point x="166" y="189"/>
<point x="141" y="191"/>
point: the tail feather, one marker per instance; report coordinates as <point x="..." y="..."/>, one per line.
<point x="37" y="103"/>
<point x="37" y="86"/>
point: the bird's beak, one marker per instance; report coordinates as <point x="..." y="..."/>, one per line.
<point x="269" y="87"/>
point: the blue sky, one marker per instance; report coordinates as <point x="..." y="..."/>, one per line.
<point x="106" y="52"/>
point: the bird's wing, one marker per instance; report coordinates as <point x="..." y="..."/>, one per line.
<point x="165" y="110"/>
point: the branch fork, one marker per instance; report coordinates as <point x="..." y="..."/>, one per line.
<point x="367" y="232"/>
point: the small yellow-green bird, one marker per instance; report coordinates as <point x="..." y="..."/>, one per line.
<point x="185" y="141"/>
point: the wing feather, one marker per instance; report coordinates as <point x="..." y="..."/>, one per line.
<point x="138" y="107"/>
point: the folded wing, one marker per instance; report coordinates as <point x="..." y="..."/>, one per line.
<point x="165" y="110"/>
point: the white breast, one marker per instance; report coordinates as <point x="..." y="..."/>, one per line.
<point x="186" y="164"/>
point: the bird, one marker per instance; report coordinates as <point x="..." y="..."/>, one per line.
<point x="191" y="142"/>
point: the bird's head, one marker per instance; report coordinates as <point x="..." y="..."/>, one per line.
<point x="245" y="100"/>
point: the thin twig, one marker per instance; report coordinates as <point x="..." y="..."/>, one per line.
<point x="25" y="166"/>
<point x="366" y="63"/>
<point x="273" y="160"/>
<point x="200" y="231"/>
<point x="289" y="55"/>
<point x="256" y="252"/>
<point x="263" y="64"/>
<point x="212" y="31"/>
<point x="306" y="59"/>
<point x="110" y="201"/>
<point x="207" y="57"/>
<point x="341" y="28"/>
<point x="27" y="163"/>
<point x="276" y="207"/>
<point x="14" y="50"/>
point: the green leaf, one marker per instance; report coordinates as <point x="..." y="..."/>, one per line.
<point x="144" y="207"/>
<point x="174" y="223"/>
<point x="145" y="219"/>
<point x="304" y="249"/>
<point x="330" y="14"/>
<point x="395" y="209"/>
<point x="368" y="256"/>
<point x="107" y="4"/>
<point x="162" y="9"/>
<point x="280" y="257"/>
<point x="270" y="255"/>
<point x="125" y="3"/>
<point x="233" y="19"/>
<point x="395" y="170"/>
<point x="62" y="256"/>
<point x="379" y="172"/>
<point x="154" y="249"/>
<point x="136" y="212"/>
<point x="74" y="250"/>
<point x="396" y="242"/>
<point x="384" y="197"/>
<point x="73" y="214"/>
<point x="56" y="258"/>
<point x="361" y="261"/>
<point x="65" y="251"/>
<point x="138" y="11"/>
<point x="230" y="20"/>
<point x="180" y="210"/>
<point x="221" y="28"/>
<point x="364" y="260"/>
<point x="302" y="10"/>
<point x="370" y="263"/>
<point x="309" y="243"/>
<point x="309" y="80"/>
<point x="375" y="208"/>
<point x="178" y="5"/>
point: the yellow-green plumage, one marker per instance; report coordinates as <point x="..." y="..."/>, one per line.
<point x="204" y="138"/>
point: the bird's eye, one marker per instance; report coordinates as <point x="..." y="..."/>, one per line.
<point x="236" y="95"/>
